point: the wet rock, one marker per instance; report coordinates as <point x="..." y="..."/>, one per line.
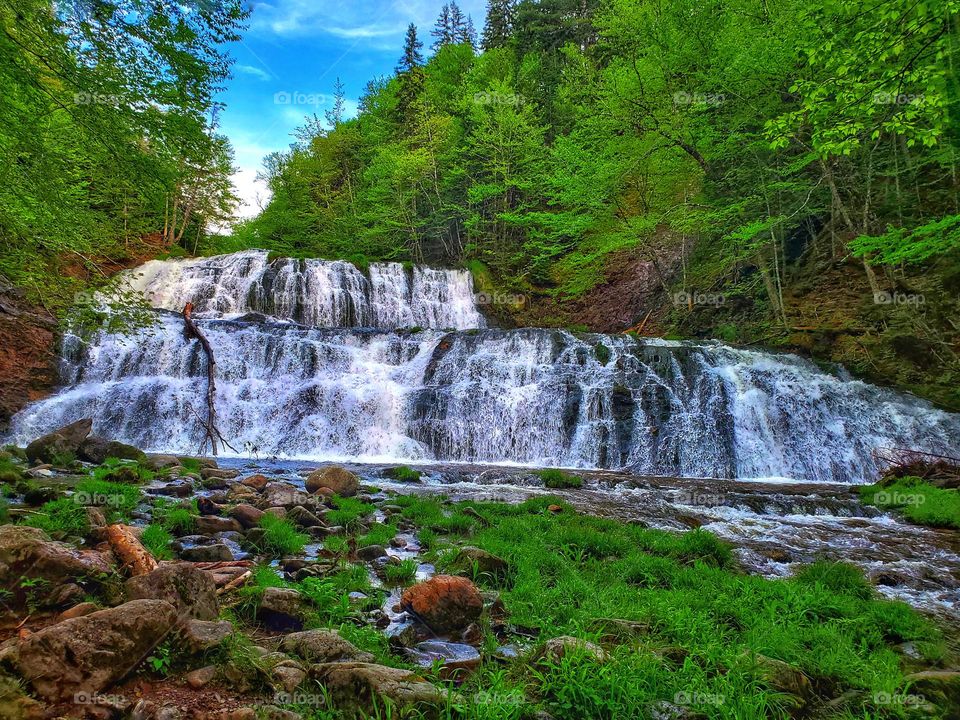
<point x="304" y="518"/>
<point x="444" y="602"/>
<point x="64" y="441"/>
<point x="214" y="552"/>
<point x="285" y="495"/>
<point x="97" y="449"/>
<point x="177" y="488"/>
<point x="200" y="636"/>
<point x="941" y="687"/>
<point x="371" y="552"/>
<point x="257" y="482"/>
<point x="409" y="634"/>
<point x="27" y="552"/>
<point x="282" y="608"/>
<point x="206" y="506"/>
<point x="471" y="559"/>
<point x="247" y="515"/>
<point x="211" y="525"/>
<point x="353" y="686"/>
<point x="214" y="483"/>
<point x="208" y="473"/>
<point x="888" y="578"/>
<point x="90" y="653"/>
<point x="456" y="659"/>
<point x="343" y="482"/>
<point x="201" y="677"/>
<point x="779" y="555"/>
<point x="323" y="646"/>
<point x="556" y="648"/>
<point x="398" y="542"/>
<point x="241" y="493"/>
<point x="162" y="462"/>
<point x="190" y="590"/>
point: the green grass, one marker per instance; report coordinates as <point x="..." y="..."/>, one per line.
<point x="157" y="540"/>
<point x="122" y="471"/>
<point x="348" y="512"/>
<point x="403" y="474"/>
<point x="280" y="536"/>
<point x="190" y="466"/>
<point x="117" y="500"/>
<point x="60" y="516"/>
<point x="10" y="472"/>
<point x="920" y="502"/>
<point x="558" y="479"/>
<point x="378" y="534"/>
<point x="401" y="573"/>
<point x="178" y="518"/>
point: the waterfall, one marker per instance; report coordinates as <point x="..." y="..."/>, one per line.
<point x="328" y="375"/>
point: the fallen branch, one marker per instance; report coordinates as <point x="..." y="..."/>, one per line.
<point x="235" y="583"/>
<point x="211" y="432"/>
<point x="130" y="550"/>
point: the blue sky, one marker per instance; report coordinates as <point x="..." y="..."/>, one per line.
<point x="298" y="48"/>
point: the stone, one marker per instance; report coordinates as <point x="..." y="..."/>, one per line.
<point x="371" y="552"/>
<point x="444" y="602"/>
<point x="14" y="704"/>
<point x="200" y="636"/>
<point x="78" y="610"/>
<point x="156" y="461"/>
<point x="96" y="449"/>
<point x="556" y="648"/>
<point x="257" y="482"/>
<point x="472" y="559"/>
<point x="304" y="518"/>
<point x="941" y="687"/>
<point x="323" y="646"/>
<point x="247" y="515"/>
<point x="784" y="677"/>
<point x="201" y="677"/>
<point x="355" y="685"/>
<point x="285" y="495"/>
<point x="211" y="525"/>
<point x="61" y="442"/>
<point x="190" y="590"/>
<point x="288" y="677"/>
<point x="27" y="552"/>
<point x="282" y="608"/>
<point x="90" y="653"/>
<point x="457" y="660"/>
<point x="206" y="473"/>
<point x="214" y="552"/>
<point x="343" y="482"/>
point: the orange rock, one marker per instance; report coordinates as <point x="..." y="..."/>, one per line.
<point x="444" y="602"/>
<point x="554" y="508"/>
<point x="257" y="482"/>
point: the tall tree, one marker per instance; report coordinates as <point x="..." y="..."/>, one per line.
<point x="499" y="24"/>
<point x="443" y="30"/>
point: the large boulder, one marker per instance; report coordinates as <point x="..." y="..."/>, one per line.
<point x="65" y="441"/>
<point x="444" y="602"/>
<point x="323" y="646"/>
<point x="247" y="515"/>
<point x="285" y="495"/>
<point x="200" y="636"/>
<point x="355" y="686"/>
<point x="340" y="480"/>
<point x="282" y="608"/>
<point x="88" y="654"/>
<point x="97" y="449"/>
<point x="27" y="552"/>
<point x="191" y="591"/>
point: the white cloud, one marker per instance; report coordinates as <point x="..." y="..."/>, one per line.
<point x="253" y="70"/>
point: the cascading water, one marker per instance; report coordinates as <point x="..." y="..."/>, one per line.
<point x="530" y="396"/>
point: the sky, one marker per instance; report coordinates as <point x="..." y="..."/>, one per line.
<point x="287" y="64"/>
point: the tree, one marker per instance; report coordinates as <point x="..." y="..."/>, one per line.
<point x="499" y="25"/>
<point x="335" y="115"/>
<point x="443" y="31"/>
<point x="412" y="56"/>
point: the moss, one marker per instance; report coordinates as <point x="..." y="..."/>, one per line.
<point x="403" y="473"/>
<point x="602" y="353"/>
<point x="918" y="501"/>
<point x="558" y="479"/>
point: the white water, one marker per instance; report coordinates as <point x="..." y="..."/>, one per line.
<point x="530" y="396"/>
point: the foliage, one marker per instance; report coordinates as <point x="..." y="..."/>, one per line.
<point x="919" y="501"/>
<point x="280" y="536"/>
<point x="403" y="473"/>
<point x="558" y="479"/>
<point x="178" y="518"/>
<point x="63" y="516"/>
<point x="348" y="512"/>
<point x="157" y="540"/>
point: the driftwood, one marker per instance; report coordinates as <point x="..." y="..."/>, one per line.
<point x="130" y="550"/>
<point x="235" y="583"/>
<point x="211" y="432"/>
<point x="939" y="470"/>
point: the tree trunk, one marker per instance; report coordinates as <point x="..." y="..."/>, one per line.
<point x="130" y="550"/>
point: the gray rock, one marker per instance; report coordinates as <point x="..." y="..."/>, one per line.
<point x="97" y="449"/>
<point x="355" y="685"/>
<point x="63" y="441"/>
<point x="282" y="608"/>
<point x="321" y="646"/>
<point x="190" y="590"/>
<point x="200" y="636"/>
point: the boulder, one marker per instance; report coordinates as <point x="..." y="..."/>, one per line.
<point x="323" y="646"/>
<point x="282" y="608"/>
<point x="212" y="552"/>
<point x="941" y="687"/>
<point x="556" y="648"/>
<point x="285" y="495"/>
<point x="784" y="677"/>
<point x="343" y="482"/>
<point x="456" y="660"/>
<point x="371" y="552"/>
<point x="191" y="591"/>
<point x="64" y="441"/>
<point x="27" y="552"/>
<point x="90" y="653"/>
<point x="200" y="636"/>
<point x="211" y="525"/>
<point x="304" y="518"/>
<point x="161" y="462"/>
<point x="247" y="515"/>
<point x="208" y="473"/>
<point x="96" y="449"/>
<point x="444" y="602"/>
<point x="257" y="482"/>
<point x="353" y="686"/>
<point x="471" y="559"/>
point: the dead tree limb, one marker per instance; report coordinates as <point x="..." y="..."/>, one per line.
<point x="130" y="550"/>
<point x="211" y="433"/>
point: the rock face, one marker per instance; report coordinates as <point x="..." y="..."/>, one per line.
<point x="88" y="654"/>
<point x="191" y="591"/>
<point x="65" y="441"/>
<point x="97" y="449"/>
<point x="343" y="482"/>
<point x="444" y="602"/>
<point x="27" y="552"/>
<point x="323" y="646"/>
<point x="353" y="686"/>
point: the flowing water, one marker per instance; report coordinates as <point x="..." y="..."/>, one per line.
<point x="318" y="360"/>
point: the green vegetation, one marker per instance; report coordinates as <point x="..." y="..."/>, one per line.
<point x="348" y="512"/>
<point x="280" y="536"/>
<point x="179" y="518"/>
<point x="191" y="466"/>
<point x="558" y="479"/>
<point x="10" y="472"/>
<point x="122" y="471"/>
<point x="920" y="502"/>
<point x="378" y="534"/>
<point x="157" y="540"/>
<point x="64" y="516"/>
<point x="403" y="474"/>
<point x="402" y="572"/>
<point x="116" y="499"/>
